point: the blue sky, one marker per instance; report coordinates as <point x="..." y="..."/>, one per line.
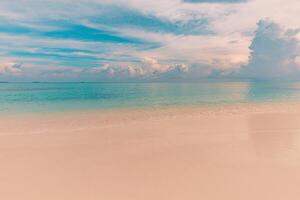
<point x="141" y="40"/>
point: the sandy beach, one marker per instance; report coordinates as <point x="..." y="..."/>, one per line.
<point x="225" y="152"/>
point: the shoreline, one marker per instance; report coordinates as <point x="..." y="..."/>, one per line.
<point x="201" y="106"/>
<point x="213" y="109"/>
<point x="69" y="120"/>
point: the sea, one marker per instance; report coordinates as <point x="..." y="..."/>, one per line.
<point x="61" y="97"/>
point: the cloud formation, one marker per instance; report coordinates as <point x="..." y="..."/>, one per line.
<point x="147" y="69"/>
<point x="274" y="52"/>
<point x="100" y="40"/>
<point x="10" y="68"/>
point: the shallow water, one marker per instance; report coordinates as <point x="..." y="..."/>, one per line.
<point x="36" y="97"/>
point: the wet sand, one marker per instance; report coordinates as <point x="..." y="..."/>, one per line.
<point x="226" y="152"/>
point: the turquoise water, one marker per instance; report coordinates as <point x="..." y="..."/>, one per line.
<point x="40" y="97"/>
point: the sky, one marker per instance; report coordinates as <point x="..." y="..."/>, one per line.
<point x="142" y="40"/>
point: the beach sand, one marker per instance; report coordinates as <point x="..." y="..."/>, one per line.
<point x="236" y="152"/>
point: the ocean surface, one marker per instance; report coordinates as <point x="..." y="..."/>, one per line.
<point x="56" y="97"/>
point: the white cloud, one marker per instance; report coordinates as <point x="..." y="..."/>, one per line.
<point x="147" y="68"/>
<point x="274" y="52"/>
<point x="10" y="68"/>
<point x="120" y="71"/>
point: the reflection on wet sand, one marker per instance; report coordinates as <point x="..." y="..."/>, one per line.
<point x="231" y="153"/>
<point x="274" y="135"/>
